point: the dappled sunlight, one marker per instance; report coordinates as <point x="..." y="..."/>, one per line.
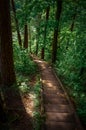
<point x="49" y="83"/>
<point x="43" y="66"/>
<point x="32" y="96"/>
<point x="28" y="102"/>
<point x="20" y="109"/>
<point x="61" y="94"/>
<point x="39" y="61"/>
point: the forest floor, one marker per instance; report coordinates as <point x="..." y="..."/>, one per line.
<point x="58" y="111"/>
<point x="21" y="107"/>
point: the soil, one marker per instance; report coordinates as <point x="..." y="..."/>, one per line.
<point x="19" y="110"/>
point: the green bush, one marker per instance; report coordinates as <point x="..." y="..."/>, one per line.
<point x="81" y="110"/>
<point x="22" y="61"/>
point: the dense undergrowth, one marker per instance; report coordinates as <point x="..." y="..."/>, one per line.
<point x="72" y="73"/>
<point x="34" y="90"/>
<point x="76" y="93"/>
<point x="26" y="72"/>
<point x="23" y="62"/>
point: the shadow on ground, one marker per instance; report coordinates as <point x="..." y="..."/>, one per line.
<point x="17" y="116"/>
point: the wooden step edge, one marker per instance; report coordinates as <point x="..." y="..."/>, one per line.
<point x="50" y="125"/>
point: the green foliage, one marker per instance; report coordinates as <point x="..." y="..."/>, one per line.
<point x="38" y="121"/>
<point x="71" y="53"/>
<point x="38" y="118"/>
<point x="23" y="63"/>
<point x="82" y="108"/>
<point x="37" y="89"/>
<point x="23" y="87"/>
<point x="71" y="57"/>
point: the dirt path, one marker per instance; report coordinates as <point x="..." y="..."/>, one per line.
<point x="58" y="111"/>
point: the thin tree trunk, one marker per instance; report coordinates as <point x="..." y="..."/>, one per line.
<point x="74" y="16"/>
<point x="42" y="52"/>
<point x="29" y="31"/>
<point x="38" y="32"/>
<point x="37" y="41"/>
<point x="73" y="22"/>
<point x="6" y="50"/>
<point x="25" y="36"/>
<point x="37" y="46"/>
<point x="25" y="44"/>
<point x="45" y="32"/>
<point x="56" y="30"/>
<point x="17" y="25"/>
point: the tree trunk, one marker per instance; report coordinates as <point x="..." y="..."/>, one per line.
<point x="38" y="32"/>
<point x="37" y="46"/>
<point x="25" y="36"/>
<point x="74" y="15"/>
<point x="45" y="32"/>
<point x="56" y="30"/>
<point x="73" y="22"/>
<point x="0" y="52"/>
<point x="29" y="31"/>
<point x="42" y="53"/>
<point x="25" y="44"/>
<point x="2" y="112"/>
<point x="37" y="41"/>
<point x="3" y="116"/>
<point x="17" y="25"/>
<point x="6" y="50"/>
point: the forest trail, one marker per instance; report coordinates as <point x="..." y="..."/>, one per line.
<point x="59" y="113"/>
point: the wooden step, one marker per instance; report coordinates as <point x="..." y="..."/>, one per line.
<point x="49" y="91"/>
<point x="60" y="117"/>
<point x="52" y="95"/>
<point x="45" y="88"/>
<point x="57" y="94"/>
<point x="54" y="100"/>
<point x="57" y="108"/>
<point x="59" y="126"/>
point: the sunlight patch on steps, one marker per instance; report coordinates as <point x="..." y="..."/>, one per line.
<point x="42" y="65"/>
<point x="48" y="83"/>
<point x="39" y="61"/>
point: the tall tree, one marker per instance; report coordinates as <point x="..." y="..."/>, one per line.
<point x="56" y="29"/>
<point x="6" y="50"/>
<point x="3" y="116"/>
<point x="45" y="32"/>
<point x="29" y="31"/>
<point x="0" y="52"/>
<point x="38" y="20"/>
<point x="73" y="21"/>
<point x="17" y="25"/>
<point x="25" y="36"/>
<point x="74" y="15"/>
<point x="25" y="26"/>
